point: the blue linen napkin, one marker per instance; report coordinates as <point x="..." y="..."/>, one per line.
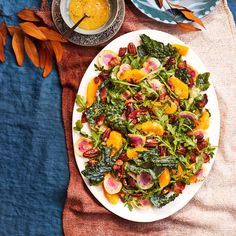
<point x="232" y="6"/>
<point x="33" y="158"/>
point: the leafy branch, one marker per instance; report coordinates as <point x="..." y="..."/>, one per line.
<point x="184" y="12"/>
<point x="39" y="42"/>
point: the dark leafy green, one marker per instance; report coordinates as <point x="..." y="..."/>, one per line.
<point x="95" y="174"/>
<point x="202" y="81"/>
<point x="183" y="75"/>
<point x="157" y="49"/>
<point x="160" y="201"/>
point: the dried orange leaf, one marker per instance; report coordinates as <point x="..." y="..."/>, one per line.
<point x="18" y="47"/>
<point x="190" y="16"/>
<point x="32" y="30"/>
<point x="48" y="45"/>
<point x="51" y="34"/>
<point x="187" y="27"/>
<point x="28" y="15"/>
<point x="13" y="29"/>
<point x="42" y="55"/>
<point x="2" y="55"/>
<point x="3" y="30"/>
<point x="31" y="51"/>
<point x="159" y="3"/>
<point x="58" y="51"/>
<point x="48" y="64"/>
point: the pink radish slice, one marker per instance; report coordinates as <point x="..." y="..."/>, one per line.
<point x="111" y="185"/>
<point x="105" y="57"/>
<point x="201" y="174"/>
<point x="144" y="180"/>
<point x="123" y="68"/>
<point x="142" y="203"/>
<point x="136" y="140"/>
<point x="83" y="145"/>
<point x="151" y="64"/>
<point x="188" y="114"/>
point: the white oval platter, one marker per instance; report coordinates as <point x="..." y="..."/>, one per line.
<point x="149" y="214"/>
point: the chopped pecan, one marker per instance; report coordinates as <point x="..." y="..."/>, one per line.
<point x="92" y="162"/>
<point x="179" y="186"/>
<point x="84" y="118"/>
<point x="122" y="52"/>
<point x="119" y="162"/>
<point x="151" y="143"/>
<point x="163" y="151"/>
<point x="123" y="156"/>
<point x="182" y="65"/>
<point x="181" y="150"/>
<point x="96" y="80"/>
<point x="203" y="102"/>
<point x="114" y="62"/>
<point x="206" y="157"/>
<point x="103" y="76"/>
<point x="202" y="145"/>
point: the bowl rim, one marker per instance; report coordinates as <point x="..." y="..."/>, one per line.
<point x="66" y="18"/>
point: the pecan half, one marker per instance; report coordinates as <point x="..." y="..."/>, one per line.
<point x="122" y="52"/>
<point x="132" y="49"/>
<point x="106" y="134"/>
<point x="100" y="119"/>
<point x="91" y="153"/>
<point x="103" y="94"/>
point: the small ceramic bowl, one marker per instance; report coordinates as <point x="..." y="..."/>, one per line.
<point x="64" y="8"/>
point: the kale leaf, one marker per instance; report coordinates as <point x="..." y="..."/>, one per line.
<point x="157" y="49"/>
<point x="202" y="81"/>
<point x="95" y="174"/>
<point x="160" y="201"/>
<point x="183" y="75"/>
<point x="94" y="111"/>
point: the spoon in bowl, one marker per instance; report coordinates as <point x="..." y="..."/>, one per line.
<point x="68" y="32"/>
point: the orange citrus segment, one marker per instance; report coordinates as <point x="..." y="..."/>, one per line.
<point x="164" y="178"/>
<point x="133" y="76"/>
<point x="183" y="50"/>
<point x="151" y="127"/>
<point x="179" y="87"/>
<point x="91" y="92"/>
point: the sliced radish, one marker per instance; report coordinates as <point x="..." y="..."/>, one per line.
<point x="151" y="64"/>
<point x="111" y="185"/>
<point x="123" y="68"/>
<point x="144" y="180"/>
<point x="156" y="84"/>
<point x="136" y="140"/>
<point x="83" y="145"/>
<point x="201" y="174"/>
<point x="142" y="203"/>
<point x="105" y="57"/>
<point x="189" y="115"/>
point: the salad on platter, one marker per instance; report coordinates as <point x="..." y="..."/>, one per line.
<point x="147" y="118"/>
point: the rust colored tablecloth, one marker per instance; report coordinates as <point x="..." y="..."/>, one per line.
<point x="213" y="210"/>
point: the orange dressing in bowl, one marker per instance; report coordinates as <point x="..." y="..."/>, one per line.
<point x="97" y="10"/>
